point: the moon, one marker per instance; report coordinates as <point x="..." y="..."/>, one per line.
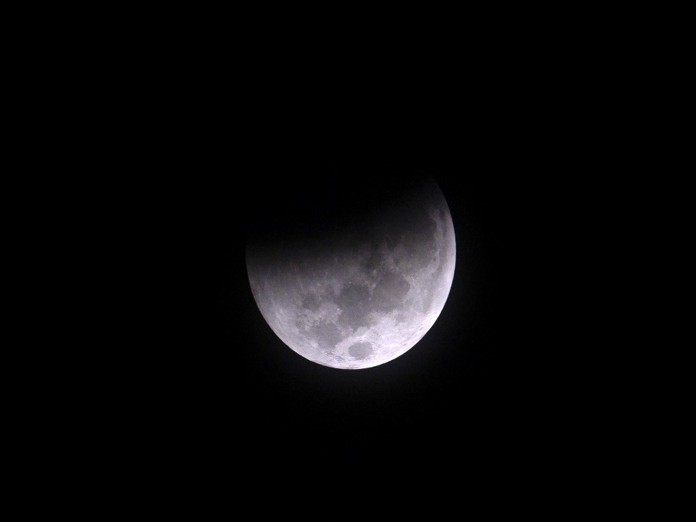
<point x="363" y="293"/>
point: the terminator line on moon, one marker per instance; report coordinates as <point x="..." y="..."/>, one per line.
<point x="366" y="295"/>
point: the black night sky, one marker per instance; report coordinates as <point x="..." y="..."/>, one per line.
<point x="487" y="389"/>
<point x="196" y="140"/>
<point x="479" y="391"/>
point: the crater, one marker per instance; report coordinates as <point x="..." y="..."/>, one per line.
<point x="360" y="350"/>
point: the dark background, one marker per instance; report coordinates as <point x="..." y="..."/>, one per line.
<point x="486" y="389"/>
<point x="192" y="142"/>
<point x="491" y="390"/>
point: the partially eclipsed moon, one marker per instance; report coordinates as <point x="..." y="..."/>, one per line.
<point x="365" y="295"/>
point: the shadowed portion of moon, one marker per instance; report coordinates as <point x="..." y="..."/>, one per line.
<point x="359" y="291"/>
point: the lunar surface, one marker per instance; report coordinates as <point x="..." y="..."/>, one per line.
<point x="364" y="294"/>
